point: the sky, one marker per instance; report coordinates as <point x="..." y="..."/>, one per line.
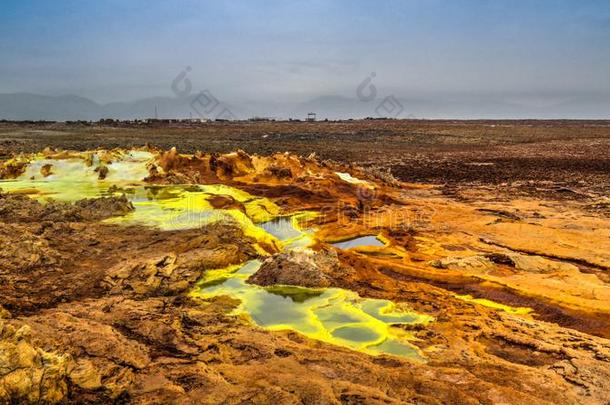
<point x="277" y="51"/>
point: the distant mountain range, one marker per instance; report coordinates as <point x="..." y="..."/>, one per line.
<point x="27" y="106"/>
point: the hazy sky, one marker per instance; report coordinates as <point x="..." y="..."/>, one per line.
<point x="295" y="50"/>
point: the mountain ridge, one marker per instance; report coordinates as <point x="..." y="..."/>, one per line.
<point x="70" y="107"/>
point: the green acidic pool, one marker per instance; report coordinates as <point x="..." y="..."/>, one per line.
<point x="332" y="315"/>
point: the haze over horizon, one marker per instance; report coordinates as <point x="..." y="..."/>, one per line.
<point x="464" y="59"/>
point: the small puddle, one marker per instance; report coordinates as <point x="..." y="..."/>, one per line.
<point x="289" y="232"/>
<point x="331" y="315"/>
<point x="363" y="241"/>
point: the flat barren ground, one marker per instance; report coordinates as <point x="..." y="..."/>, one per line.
<point x="291" y="262"/>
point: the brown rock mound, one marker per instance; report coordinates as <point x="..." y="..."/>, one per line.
<point x="92" y="209"/>
<point x="46" y="170"/>
<point x="20" y="208"/>
<point x="304" y="268"/>
<point x="102" y="171"/>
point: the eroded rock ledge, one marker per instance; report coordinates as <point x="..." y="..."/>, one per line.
<point x="170" y="274"/>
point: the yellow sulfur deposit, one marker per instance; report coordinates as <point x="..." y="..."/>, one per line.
<point x="495" y="305"/>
